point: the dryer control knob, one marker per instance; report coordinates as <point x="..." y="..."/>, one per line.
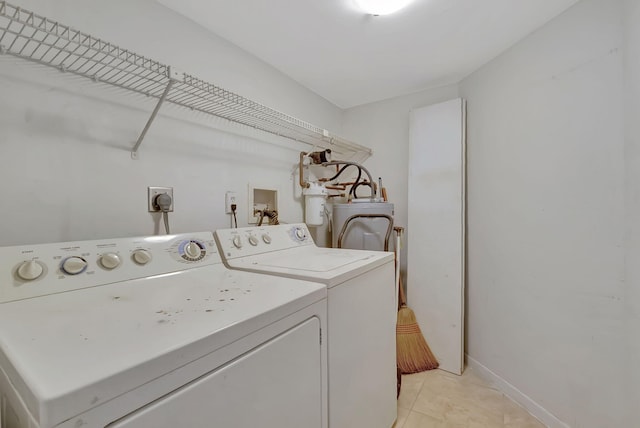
<point x="110" y="260"/>
<point x="74" y="265"/>
<point x="142" y="257"/>
<point x="253" y="240"/>
<point x="266" y="238"/>
<point x="30" y="270"/>
<point x="237" y="241"/>
<point x="193" y="250"/>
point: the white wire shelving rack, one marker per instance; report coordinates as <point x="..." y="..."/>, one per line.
<point x="35" y="38"/>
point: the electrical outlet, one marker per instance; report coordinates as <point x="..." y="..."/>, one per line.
<point x="230" y="199"/>
<point x="153" y="192"/>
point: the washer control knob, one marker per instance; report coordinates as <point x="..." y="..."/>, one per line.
<point x="266" y="238"/>
<point x="110" y="260"/>
<point x="74" y="265"/>
<point x="253" y="240"/>
<point x="142" y="257"/>
<point x="30" y="270"/>
<point x="300" y="234"/>
<point x="237" y="241"/>
<point x="192" y="250"/>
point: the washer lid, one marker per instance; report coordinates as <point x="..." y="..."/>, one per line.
<point x="330" y="266"/>
<point x="69" y="352"/>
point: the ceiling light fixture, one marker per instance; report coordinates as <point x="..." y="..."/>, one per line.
<point x="382" y="7"/>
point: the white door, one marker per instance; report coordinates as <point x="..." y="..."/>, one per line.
<point x="276" y="385"/>
<point x="436" y="228"/>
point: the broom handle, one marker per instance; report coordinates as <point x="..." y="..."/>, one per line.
<point x="402" y="300"/>
<point x="397" y="266"/>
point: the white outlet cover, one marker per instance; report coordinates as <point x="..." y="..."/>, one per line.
<point x="152" y="192"/>
<point x="230" y="197"/>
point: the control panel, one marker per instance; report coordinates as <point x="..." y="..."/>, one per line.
<point x="247" y="241"/>
<point x="37" y="270"/>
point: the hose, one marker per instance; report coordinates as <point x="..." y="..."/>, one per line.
<point x="355" y="187"/>
<point x="271" y="214"/>
<point x="341" y="170"/>
<point x="360" y="168"/>
<point x="352" y="191"/>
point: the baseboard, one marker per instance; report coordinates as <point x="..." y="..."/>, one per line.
<point x="516" y="395"/>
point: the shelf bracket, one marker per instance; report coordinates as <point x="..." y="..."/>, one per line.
<point x="173" y="77"/>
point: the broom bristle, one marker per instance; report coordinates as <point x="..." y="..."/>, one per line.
<point x="412" y="352"/>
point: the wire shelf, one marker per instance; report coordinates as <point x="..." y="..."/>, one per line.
<point x="27" y="35"/>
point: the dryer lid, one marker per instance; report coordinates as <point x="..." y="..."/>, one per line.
<point x="315" y="259"/>
<point x="330" y="266"/>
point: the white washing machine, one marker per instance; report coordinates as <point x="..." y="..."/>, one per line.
<point x="361" y="313"/>
<point x="156" y="332"/>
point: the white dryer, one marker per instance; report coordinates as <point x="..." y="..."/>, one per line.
<point x="361" y="313"/>
<point x="156" y="332"/>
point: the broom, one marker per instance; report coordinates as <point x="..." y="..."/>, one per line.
<point x="412" y="351"/>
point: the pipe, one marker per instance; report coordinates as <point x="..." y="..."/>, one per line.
<point x="366" y="171"/>
<point x="303" y="183"/>
<point x="339" y="186"/>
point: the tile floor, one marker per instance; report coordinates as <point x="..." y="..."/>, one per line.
<point x="442" y="400"/>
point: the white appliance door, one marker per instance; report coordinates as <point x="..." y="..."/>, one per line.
<point x="275" y="385"/>
<point x="436" y="228"/>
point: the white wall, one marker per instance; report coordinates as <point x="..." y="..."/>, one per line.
<point x="632" y="184"/>
<point x="64" y="143"/>
<point x="548" y="152"/>
<point x="384" y="126"/>
<point x="546" y="212"/>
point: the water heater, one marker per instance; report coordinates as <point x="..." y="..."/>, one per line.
<point x="361" y="233"/>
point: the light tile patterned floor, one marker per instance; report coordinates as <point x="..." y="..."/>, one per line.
<point x="437" y="399"/>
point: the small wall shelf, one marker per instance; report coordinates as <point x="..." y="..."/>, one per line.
<point x="27" y="35"/>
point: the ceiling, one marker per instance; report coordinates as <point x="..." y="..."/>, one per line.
<point x="351" y="58"/>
